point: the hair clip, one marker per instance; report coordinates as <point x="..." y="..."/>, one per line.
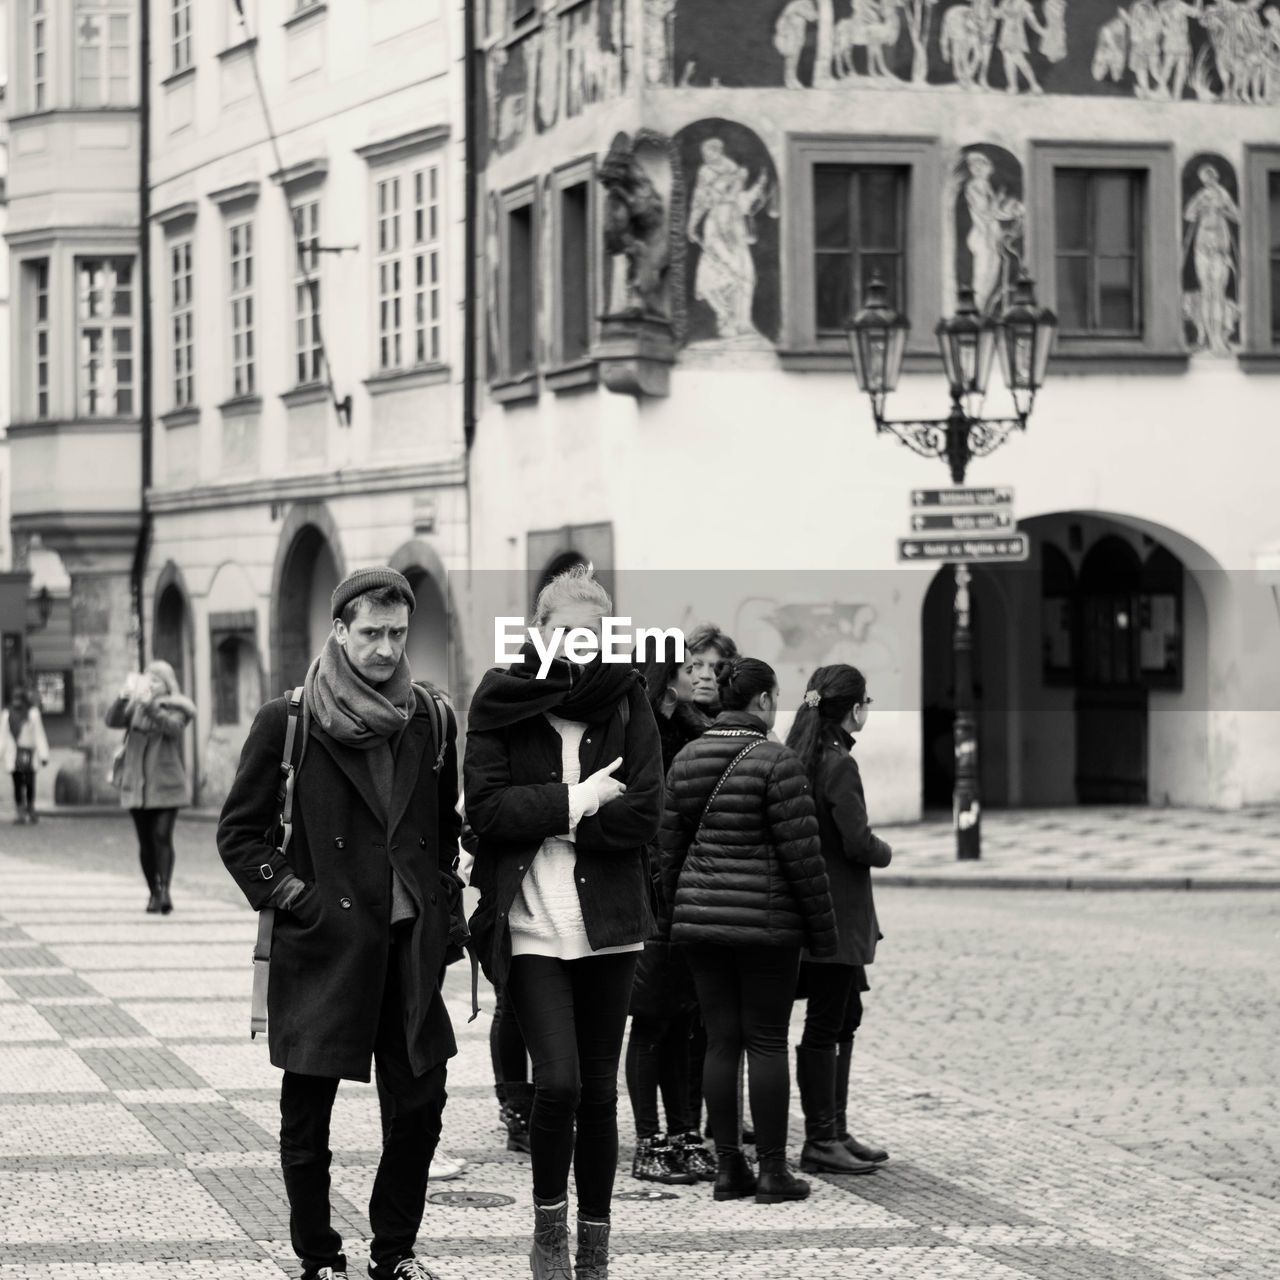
<point x="811" y="698"/>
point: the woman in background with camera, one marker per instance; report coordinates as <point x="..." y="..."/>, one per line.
<point x="152" y="780"/>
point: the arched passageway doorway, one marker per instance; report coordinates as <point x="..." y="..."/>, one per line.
<point x="429" y="647"/>
<point x="307" y="578"/>
<point x="1091" y="666"/>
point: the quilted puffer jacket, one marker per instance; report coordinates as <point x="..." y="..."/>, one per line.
<point x="755" y="874"/>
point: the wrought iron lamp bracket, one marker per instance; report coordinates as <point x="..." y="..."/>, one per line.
<point x="954" y="439"/>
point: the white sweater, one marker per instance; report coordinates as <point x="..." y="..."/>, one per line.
<point x="546" y="916"/>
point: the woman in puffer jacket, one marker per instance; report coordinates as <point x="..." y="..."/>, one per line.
<point x="745" y="889"/>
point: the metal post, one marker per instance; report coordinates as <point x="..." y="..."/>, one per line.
<point x="965" y="804"/>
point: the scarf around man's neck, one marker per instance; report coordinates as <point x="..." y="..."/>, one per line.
<point x="351" y="711"/>
<point x="587" y="691"/>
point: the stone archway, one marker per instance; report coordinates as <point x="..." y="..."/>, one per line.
<point x="309" y="564"/>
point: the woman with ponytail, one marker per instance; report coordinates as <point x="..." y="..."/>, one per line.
<point x="744" y="891"/>
<point x="835" y="707"/>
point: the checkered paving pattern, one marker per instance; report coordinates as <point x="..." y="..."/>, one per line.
<point x="1100" y="847"/>
<point x="137" y="1139"/>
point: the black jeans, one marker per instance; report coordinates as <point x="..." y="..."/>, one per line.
<point x="411" y="1117"/>
<point x="24" y="790"/>
<point x="834" y="1009"/>
<point x="506" y="1045"/>
<point x="155" y="843"/>
<point x="746" y="994"/>
<point x="658" y="1058"/>
<point x="573" y="1014"/>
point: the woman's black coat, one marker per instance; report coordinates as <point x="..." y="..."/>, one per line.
<point x="516" y="799"/>
<point x="849" y="848"/>
<point x="329" y="954"/>
<point x="754" y="875"/>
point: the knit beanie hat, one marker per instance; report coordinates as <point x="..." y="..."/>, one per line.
<point x="362" y="580"/>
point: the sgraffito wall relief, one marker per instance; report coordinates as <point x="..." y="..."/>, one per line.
<point x="1210" y="50"/>
<point x="732" y="288"/>
<point x="1210" y="255"/>
<point x="574" y="60"/>
<point x="990" y="217"/>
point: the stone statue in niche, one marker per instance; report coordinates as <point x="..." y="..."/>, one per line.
<point x="1210" y="277"/>
<point x="721" y="223"/>
<point x="635" y="229"/>
<point x="990" y="217"/>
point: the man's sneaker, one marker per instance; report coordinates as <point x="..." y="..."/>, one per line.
<point x="409" y="1268"/>
<point x="444" y="1166"/>
<point x="657" y="1161"/>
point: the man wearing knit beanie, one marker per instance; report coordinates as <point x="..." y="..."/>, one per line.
<point x="365" y="903"/>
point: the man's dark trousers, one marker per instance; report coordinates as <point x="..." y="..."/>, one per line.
<point x="412" y="1132"/>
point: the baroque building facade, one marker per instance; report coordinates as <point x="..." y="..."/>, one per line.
<point x="684" y="201"/>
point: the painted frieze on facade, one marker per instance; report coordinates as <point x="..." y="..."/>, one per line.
<point x="1210" y="255"/>
<point x="732" y="287"/>
<point x="570" y="62"/>
<point x="1207" y="50"/>
<point x="990" y="217"/>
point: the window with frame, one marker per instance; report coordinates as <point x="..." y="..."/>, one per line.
<point x="859" y="231"/>
<point x="855" y="202"/>
<point x="39" y="55"/>
<point x="181" y="28"/>
<point x="182" y="321"/>
<point x="308" y="365"/>
<point x="37" y="273"/>
<point x="1273" y="253"/>
<point x="409" y="267"/>
<point x="520" y="263"/>
<point x="105" y="336"/>
<point x="104" y="58"/>
<point x="243" y="357"/>
<point x="522" y="9"/>
<point x="575" y="309"/>
<point x="1099" y="232"/>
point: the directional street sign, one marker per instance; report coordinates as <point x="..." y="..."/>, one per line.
<point x="1013" y="546"/>
<point x="1000" y="496"/>
<point x="963" y="521"/>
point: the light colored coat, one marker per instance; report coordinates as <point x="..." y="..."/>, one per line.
<point x="30" y="735"/>
<point x="154" y="777"/>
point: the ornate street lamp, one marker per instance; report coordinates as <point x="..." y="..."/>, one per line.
<point x="968" y="341"/>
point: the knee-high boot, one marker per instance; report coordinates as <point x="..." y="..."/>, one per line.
<point x="164" y="873"/>
<point x="823" y="1152"/>
<point x="844" y="1059"/>
<point x="147" y="858"/>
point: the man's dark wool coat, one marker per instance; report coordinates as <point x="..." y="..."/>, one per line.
<point x="329" y="954"/>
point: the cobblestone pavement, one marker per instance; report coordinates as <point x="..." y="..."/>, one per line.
<point x="1074" y="1086"/>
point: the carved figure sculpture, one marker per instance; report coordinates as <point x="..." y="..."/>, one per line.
<point x="1015" y="17"/>
<point x="788" y="37"/>
<point x="720" y="223"/>
<point x="1208" y="216"/>
<point x="635" y="229"/>
<point x="996" y="219"/>
<point x="966" y="40"/>
<point x="871" y="29"/>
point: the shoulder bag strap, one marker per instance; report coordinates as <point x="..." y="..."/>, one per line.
<point x="715" y="791"/>
<point x="267" y="916"/>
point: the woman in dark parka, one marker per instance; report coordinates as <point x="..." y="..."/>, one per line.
<point x="836" y="706"/>
<point x="664" y="1004"/>
<point x="744" y="889"/>
<point x="563" y="779"/>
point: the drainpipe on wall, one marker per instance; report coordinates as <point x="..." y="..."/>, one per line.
<point x="470" y="118"/>
<point x="139" y="570"/>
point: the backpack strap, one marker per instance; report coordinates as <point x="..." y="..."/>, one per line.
<point x="267" y="916"/>
<point x="436" y="708"/>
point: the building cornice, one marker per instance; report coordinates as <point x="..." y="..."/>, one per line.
<point x="403" y="145"/>
<point x="314" y="170"/>
<point x="241" y="191"/>
<point x="176" y="212"/>
<point x="27" y="237"/>
<point x="350" y="481"/>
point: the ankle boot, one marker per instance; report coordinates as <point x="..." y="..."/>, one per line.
<point x="860" y="1150"/>
<point x="823" y="1152"/>
<point x="776" y="1182"/>
<point x="734" y="1179"/>
<point x="162" y="893"/>
<point x="147" y="859"/>
<point x="592" y="1259"/>
<point x="515" y="1114"/>
<point x="549" y="1257"/>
